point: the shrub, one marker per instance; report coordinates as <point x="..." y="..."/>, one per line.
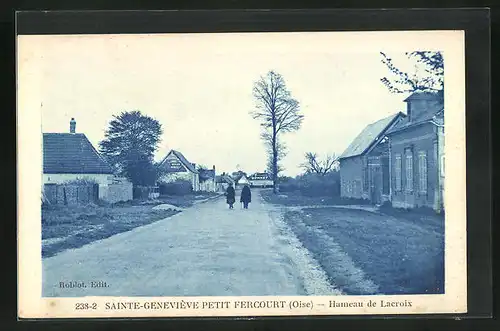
<point x="178" y="187"/>
<point x="314" y="185"/>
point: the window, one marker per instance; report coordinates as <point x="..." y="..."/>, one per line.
<point x="397" y="173"/>
<point x="409" y="170"/>
<point x="422" y="171"/>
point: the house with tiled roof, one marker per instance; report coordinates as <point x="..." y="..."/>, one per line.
<point x="364" y="165"/>
<point x="175" y="166"/>
<point x="417" y="153"/>
<point x="71" y="156"/>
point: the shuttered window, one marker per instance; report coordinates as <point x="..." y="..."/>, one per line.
<point x="422" y="171"/>
<point x="409" y="170"/>
<point x="397" y="173"/>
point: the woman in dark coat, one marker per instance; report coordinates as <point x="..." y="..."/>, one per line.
<point x="230" y="196"/>
<point x="246" y="196"/>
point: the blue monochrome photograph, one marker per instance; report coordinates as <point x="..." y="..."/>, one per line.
<point x="186" y="166"/>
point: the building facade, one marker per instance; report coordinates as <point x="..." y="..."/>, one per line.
<point x="417" y="154"/>
<point x="260" y="179"/>
<point x="365" y="164"/>
<point x="176" y="167"/>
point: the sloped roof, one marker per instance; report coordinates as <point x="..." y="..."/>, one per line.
<point x="368" y="136"/>
<point x="417" y="119"/>
<point x="182" y="159"/>
<point x="72" y="153"/>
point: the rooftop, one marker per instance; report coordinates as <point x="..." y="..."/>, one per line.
<point x="182" y="159"/>
<point x="72" y="153"/>
<point x="368" y="136"/>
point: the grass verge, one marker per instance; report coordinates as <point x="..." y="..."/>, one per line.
<point x="364" y="252"/>
<point x="297" y="199"/>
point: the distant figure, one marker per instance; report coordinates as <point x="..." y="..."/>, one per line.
<point x="230" y="196"/>
<point x="246" y="196"/>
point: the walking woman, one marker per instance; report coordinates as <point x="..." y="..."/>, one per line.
<point x="230" y="196"/>
<point x="246" y="196"/>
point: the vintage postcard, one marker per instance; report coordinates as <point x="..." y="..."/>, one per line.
<point x="241" y="174"/>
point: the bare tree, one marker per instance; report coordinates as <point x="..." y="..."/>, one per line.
<point x="313" y="164"/>
<point x="278" y="112"/>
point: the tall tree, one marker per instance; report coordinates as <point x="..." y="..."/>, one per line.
<point x="278" y="113"/>
<point x="313" y="164"/>
<point x="129" y="145"/>
<point x="427" y="74"/>
<point x="281" y="153"/>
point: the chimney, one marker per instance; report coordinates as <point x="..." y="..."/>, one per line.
<point x="213" y="167"/>
<point x="72" y="125"/>
<point x="423" y="102"/>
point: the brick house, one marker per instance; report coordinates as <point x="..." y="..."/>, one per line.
<point x="364" y="165"/>
<point x="71" y="156"/>
<point x="417" y="153"/>
<point x="175" y="167"/>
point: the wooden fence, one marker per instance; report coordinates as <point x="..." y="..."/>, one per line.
<point x="70" y="194"/>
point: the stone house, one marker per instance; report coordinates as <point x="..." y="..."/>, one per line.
<point x="71" y="156"/>
<point x="176" y="167"/>
<point x="364" y="165"/>
<point x="417" y="153"/>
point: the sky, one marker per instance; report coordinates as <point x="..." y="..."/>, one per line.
<point x="199" y="87"/>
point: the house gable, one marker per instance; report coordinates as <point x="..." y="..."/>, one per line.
<point x="176" y="162"/>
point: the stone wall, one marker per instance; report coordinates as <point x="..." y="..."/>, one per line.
<point x="117" y="192"/>
<point x="351" y="177"/>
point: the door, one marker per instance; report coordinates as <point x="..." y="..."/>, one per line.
<point x="376" y="183"/>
